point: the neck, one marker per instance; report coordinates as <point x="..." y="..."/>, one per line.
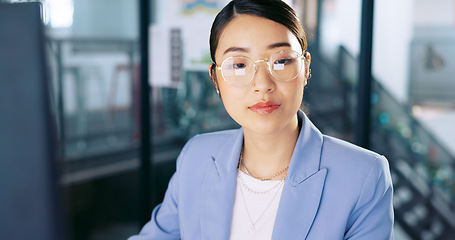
<point x="265" y="155"/>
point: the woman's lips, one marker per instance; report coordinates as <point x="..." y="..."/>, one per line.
<point x="264" y="107"/>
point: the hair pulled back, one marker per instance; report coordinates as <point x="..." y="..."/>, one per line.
<point x="275" y="10"/>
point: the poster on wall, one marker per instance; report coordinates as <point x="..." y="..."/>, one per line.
<point x="179" y="39"/>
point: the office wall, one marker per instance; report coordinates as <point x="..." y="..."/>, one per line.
<point x="393" y="33"/>
<point x="105" y="18"/>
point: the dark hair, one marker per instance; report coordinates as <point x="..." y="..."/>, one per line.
<point x="275" y="10"/>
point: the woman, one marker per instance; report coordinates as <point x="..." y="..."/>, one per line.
<point x="277" y="177"/>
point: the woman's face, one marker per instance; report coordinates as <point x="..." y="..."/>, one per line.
<point x="265" y="105"/>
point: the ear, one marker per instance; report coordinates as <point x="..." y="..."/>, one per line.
<point x="212" y="73"/>
<point x="307" y="56"/>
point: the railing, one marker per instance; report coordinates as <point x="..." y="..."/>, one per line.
<point x="87" y="74"/>
<point x="98" y="131"/>
<point x="421" y="169"/>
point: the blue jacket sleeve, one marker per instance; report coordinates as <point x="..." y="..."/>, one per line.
<point x="164" y="223"/>
<point x="372" y="217"/>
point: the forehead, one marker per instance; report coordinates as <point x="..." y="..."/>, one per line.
<point x="255" y="34"/>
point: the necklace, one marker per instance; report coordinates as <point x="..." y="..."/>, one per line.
<point x="262" y="179"/>
<point x="252" y="228"/>
<point x="252" y="191"/>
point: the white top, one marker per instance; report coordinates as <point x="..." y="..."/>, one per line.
<point x="257" y="218"/>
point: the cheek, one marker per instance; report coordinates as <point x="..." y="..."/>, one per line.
<point x="231" y="96"/>
<point x="233" y="104"/>
<point x="294" y="94"/>
<point x="296" y="88"/>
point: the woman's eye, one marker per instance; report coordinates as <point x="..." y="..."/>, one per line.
<point x="284" y="61"/>
<point x="239" y="65"/>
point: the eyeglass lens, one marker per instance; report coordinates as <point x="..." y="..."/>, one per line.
<point x="240" y="70"/>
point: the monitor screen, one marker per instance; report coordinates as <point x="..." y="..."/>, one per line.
<point x="29" y="206"/>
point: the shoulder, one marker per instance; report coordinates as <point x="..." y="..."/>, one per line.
<point x="336" y="152"/>
<point x="353" y="168"/>
<point x="215" y="137"/>
<point x="203" y="146"/>
<point x="356" y="173"/>
<point x="212" y="140"/>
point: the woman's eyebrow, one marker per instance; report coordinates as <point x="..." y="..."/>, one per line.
<point x="236" y="49"/>
<point x="279" y="44"/>
<point x="271" y="46"/>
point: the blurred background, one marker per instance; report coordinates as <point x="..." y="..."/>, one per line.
<point x="129" y="86"/>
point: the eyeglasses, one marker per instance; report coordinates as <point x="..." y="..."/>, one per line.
<point x="284" y="66"/>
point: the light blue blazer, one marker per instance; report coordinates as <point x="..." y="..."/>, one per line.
<point x="333" y="190"/>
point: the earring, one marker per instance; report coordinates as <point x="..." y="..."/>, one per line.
<point x="218" y="92"/>
<point x="309" y="73"/>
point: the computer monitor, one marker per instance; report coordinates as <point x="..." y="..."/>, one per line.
<point x="29" y="206"/>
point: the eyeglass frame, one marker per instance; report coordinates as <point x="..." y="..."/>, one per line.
<point x="301" y="56"/>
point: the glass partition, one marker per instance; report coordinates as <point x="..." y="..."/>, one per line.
<point x="411" y="91"/>
<point x="403" y="113"/>
<point x="93" y="56"/>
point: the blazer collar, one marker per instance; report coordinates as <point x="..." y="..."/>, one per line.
<point x="301" y="195"/>
<point x="305" y="159"/>
<point x="227" y="158"/>
<point x="218" y="190"/>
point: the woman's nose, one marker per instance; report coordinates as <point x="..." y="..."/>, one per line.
<point x="263" y="81"/>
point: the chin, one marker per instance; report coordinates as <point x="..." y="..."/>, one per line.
<point x="267" y="127"/>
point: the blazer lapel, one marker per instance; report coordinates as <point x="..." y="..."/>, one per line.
<point x="304" y="185"/>
<point x="219" y="189"/>
<point x="298" y="207"/>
